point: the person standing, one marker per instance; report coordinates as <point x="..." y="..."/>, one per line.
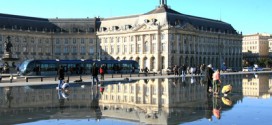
<point x="94" y="72"/>
<point x="216" y="82"/>
<point x="202" y="69"/>
<point x="208" y="76"/>
<point x="60" y="76"/>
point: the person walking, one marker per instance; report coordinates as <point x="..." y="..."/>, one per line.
<point x="94" y="72"/>
<point x="208" y="76"/>
<point x="175" y="69"/>
<point x="102" y="71"/>
<point x="60" y="76"/>
<point x="184" y="70"/>
<point x="216" y="82"/>
<point x="146" y="70"/>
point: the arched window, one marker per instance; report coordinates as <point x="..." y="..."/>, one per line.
<point x="145" y="62"/>
<point x="146" y="47"/>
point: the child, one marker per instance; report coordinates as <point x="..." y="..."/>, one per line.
<point x="216" y="82"/>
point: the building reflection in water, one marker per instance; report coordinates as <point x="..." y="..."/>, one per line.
<point x="149" y="101"/>
<point x="258" y="86"/>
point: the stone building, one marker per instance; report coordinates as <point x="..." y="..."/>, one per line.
<point x="38" y="38"/>
<point x="256" y="46"/>
<point x="157" y="39"/>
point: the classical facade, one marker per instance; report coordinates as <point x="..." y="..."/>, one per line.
<point x="37" y="38"/>
<point x="157" y="39"/>
<point x="256" y="46"/>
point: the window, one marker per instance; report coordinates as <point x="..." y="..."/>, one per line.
<point x="111" y="49"/>
<point x="178" y="37"/>
<point x="146" y="47"/>
<point x="57" y="49"/>
<point x="172" y="36"/>
<point x="47" y="41"/>
<point x="66" y="49"/>
<point x="47" y="49"/>
<point x="132" y="48"/>
<point x="138" y="38"/>
<point x="106" y="49"/>
<point x="118" y="49"/>
<point x="1" y="38"/>
<point x="131" y="38"/>
<point x="74" y="40"/>
<point x="153" y="47"/>
<point x="125" y="49"/>
<point x="82" y="49"/>
<point x="125" y="39"/>
<point x="139" y="48"/>
<point x="57" y="41"/>
<point x="162" y="36"/>
<point x="131" y="89"/>
<point x="39" y="49"/>
<point x="91" y="41"/>
<point x="66" y="41"/>
<point x="82" y="40"/>
<point x="74" y="49"/>
<point x="91" y="50"/>
<point x="153" y="36"/>
<point x="163" y="47"/>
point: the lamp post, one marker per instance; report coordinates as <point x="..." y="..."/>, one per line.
<point x="57" y="68"/>
<point x="219" y="52"/>
<point x="82" y="68"/>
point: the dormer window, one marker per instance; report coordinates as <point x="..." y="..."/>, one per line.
<point x="146" y="21"/>
<point x="104" y="29"/>
<point x="154" y="21"/>
<point x="127" y="27"/>
<point x="115" y="28"/>
<point x="177" y="22"/>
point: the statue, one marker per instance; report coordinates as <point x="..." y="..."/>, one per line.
<point x="8" y="45"/>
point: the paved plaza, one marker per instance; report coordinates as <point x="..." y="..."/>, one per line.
<point x="41" y="80"/>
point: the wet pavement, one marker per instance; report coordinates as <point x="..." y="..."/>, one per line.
<point x="175" y="100"/>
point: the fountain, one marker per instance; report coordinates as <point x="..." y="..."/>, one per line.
<point x="9" y="60"/>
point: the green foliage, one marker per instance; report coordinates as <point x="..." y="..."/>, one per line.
<point x="264" y="62"/>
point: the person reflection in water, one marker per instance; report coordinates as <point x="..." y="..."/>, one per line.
<point x="63" y="95"/>
<point x="8" y="96"/>
<point x="209" y="107"/>
<point x="216" y="107"/>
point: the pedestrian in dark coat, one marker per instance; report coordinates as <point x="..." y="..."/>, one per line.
<point x="208" y="76"/>
<point x="94" y="72"/>
<point x="60" y="76"/>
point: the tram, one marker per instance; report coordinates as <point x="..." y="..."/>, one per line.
<point x="73" y="67"/>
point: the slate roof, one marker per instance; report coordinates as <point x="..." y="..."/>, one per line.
<point x="24" y="23"/>
<point x="175" y="18"/>
<point x="41" y="24"/>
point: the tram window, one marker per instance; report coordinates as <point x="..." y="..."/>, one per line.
<point x="125" y="66"/>
<point x="48" y="67"/>
<point x="110" y="66"/>
<point x="44" y="67"/>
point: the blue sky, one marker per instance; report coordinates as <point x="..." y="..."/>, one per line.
<point x="248" y="16"/>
